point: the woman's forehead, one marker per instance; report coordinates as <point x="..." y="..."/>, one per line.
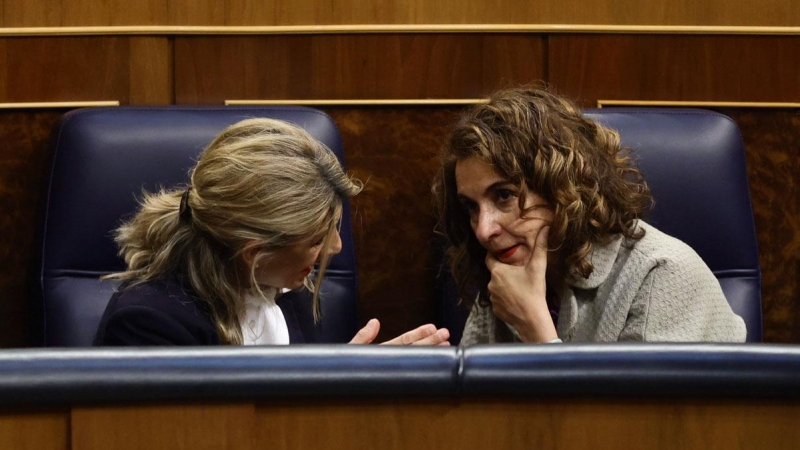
<point x="330" y="218"/>
<point x="474" y="176"/>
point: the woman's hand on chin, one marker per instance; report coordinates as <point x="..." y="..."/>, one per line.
<point x="424" y="335"/>
<point x="518" y="293"/>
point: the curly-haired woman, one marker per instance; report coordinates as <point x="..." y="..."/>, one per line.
<point x="542" y="210"/>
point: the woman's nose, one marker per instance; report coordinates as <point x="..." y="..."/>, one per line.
<point x="337" y="244"/>
<point x="486" y="226"/>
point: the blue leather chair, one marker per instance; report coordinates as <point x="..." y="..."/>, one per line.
<point x="102" y="159"/>
<point x="694" y="162"/>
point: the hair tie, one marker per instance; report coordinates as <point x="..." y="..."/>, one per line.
<point x="185" y="211"/>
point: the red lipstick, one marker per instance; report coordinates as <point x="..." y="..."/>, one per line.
<point x="306" y="271"/>
<point x="507" y="253"/>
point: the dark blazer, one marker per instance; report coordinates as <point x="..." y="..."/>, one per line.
<point x="165" y="312"/>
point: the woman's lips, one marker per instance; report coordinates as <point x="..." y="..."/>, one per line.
<point x="306" y="271"/>
<point x="507" y="253"/>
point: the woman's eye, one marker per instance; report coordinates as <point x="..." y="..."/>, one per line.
<point x="469" y="206"/>
<point x="505" y="194"/>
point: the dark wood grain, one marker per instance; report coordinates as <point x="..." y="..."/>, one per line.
<point x="393" y="66"/>
<point x="395" y="152"/>
<point x="28" y="13"/>
<point x="532" y="423"/>
<point x="24" y="158"/>
<point x="40" y="69"/>
<point x="697" y="68"/>
<point x="441" y="423"/>
<point x="69" y="69"/>
<point x="47" y="13"/>
<point x="151" y="71"/>
<point x="184" y="427"/>
<point x="34" y="430"/>
<point x="772" y="140"/>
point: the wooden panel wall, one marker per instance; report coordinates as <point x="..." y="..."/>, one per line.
<point x="445" y="424"/>
<point x="49" y="13"/>
<point x="23" y="170"/>
<point x="180" y="427"/>
<point x="394" y="150"/>
<point x="354" y="66"/>
<point x="772" y="139"/>
<point x="35" y="430"/>
<point x="534" y="423"/>
<point x="68" y="69"/>
<point x="698" y="68"/>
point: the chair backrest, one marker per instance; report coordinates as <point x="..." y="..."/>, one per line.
<point x="694" y="163"/>
<point x="102" y="160"/>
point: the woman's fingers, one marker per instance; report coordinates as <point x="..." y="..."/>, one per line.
<point x="367" y="334"/>
<point x="537" y="265"/>
<point x="538" y="261"/>
<point x="425" y="335"/>
<point x="491" y="261"/>
<point x="440" y="337"/>
<point x="518" y="293"/>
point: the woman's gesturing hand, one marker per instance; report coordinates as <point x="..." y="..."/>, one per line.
<point x="424" y="335"/>
<point x="518" y="293"/>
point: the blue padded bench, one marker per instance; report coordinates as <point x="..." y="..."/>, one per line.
<point x="131" y="375"/>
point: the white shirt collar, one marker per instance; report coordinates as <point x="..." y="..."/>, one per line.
<point x="264" y="323"/>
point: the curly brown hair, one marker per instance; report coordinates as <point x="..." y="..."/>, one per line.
<point x="542" y="143"/>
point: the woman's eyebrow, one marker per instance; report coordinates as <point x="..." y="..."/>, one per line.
<point x="488" y="189"/>
<point x="463" y="198"/>
<point x="500" y="184"/>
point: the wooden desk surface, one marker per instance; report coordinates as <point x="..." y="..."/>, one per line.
<point x="443" y="423"/>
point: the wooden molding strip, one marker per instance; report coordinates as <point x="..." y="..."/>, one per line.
<point x="367" y="29"/>
<point x="360" y="102"/>
<point x="693" y="104"/>
<point x="59" y="104"/>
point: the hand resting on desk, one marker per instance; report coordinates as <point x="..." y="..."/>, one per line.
<point x="424" y="335"/>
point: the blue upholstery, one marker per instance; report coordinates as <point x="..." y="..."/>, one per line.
<point x="103" y="158"/>
<point x="694" y="162"/>
<point x="633" y="370"/>
<point x="63" y="376"/>
<point x="133" y="376"/>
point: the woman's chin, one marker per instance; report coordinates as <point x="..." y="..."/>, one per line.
<point x="519" y="258"/>
<point x="297" y="284"/>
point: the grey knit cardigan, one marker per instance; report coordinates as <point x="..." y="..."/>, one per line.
<point x="653" y="289"/>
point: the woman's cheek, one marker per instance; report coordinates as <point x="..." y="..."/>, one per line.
<point x="528" y="228"/>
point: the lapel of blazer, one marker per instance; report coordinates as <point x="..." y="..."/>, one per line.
<point x="295" y="333"/>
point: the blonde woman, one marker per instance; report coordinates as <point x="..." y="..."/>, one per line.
<point x="205" y="263"/>
<point x="542" y="209"/>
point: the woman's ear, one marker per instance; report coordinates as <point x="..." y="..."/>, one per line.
<point x="250" y="252"/>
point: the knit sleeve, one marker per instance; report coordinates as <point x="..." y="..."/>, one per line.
<point x="680" y="300"/>
<point x="480" y="326"/>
